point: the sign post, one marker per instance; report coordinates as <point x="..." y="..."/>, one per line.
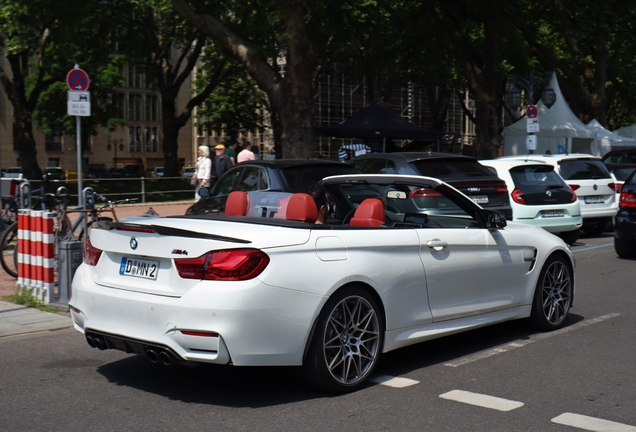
<point x="532" y="126"/>
<point x="78" y="105"/>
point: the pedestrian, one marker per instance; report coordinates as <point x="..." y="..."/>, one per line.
<point x="231" y="150"/>
<point x="222" y="162"/>
<point x="201" y="176"/>
<point x="246" y="154"/>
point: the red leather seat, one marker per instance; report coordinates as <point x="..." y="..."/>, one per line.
<point x="236" y="204"/>
<point x="370" y="213"/>
<point x="301" y="207"/>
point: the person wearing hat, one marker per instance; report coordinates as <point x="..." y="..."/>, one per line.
<point x="222" y="162"/>
<point x="202" y="172"/>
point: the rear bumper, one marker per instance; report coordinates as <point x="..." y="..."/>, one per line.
<point x="253" y="324"/>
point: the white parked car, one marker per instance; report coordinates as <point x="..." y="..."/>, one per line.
<point x="158" y="172"/>
<point x="400" y="260"/>
<point x="593" y="183"/>
<point x="539" y="196"/>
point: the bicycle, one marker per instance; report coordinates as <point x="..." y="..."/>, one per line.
<point x="9" y="239"/>
<point x="63" y="228"/>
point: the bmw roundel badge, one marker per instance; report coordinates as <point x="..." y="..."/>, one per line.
<point x="133" y="243"/>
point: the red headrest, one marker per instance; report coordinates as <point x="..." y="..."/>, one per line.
<point x="369" y="213"/>
<point x="236" y="204"/>
<point x="301" y="207"/>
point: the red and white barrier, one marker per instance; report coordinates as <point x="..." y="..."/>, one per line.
<point x="36" y="253"/>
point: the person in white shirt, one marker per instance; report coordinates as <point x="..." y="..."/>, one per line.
<point x="246" y="154"/>
<point x="202" y="171"/>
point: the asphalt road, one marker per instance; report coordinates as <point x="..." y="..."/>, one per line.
<point x="528" y="381"/>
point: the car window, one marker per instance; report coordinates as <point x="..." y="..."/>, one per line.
<point x="225" y="184"/>
<point x="300" y="178"/>
<point x="535" y="178"/>
<point x="455" y="168"/>
<point x="613" y="158"/>
<point x="252" y="179"/>
<point x="581" y="169"/>
<point x="377" y="166"/>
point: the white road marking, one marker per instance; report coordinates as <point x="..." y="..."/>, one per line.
<point x="521" y="343"/>
<point x="395" y="382"/>
<point x="591" y="423"/>
<point x="481" y="400"/>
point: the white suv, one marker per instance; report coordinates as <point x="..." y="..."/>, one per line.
<point x="594" y="184"/>
<point x="539" y="196"/>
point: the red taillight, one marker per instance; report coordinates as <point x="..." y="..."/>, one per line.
<point x="575" y="186"/>
<point x="501" y="189"/>
<point x="91" y="254"/>
<point x="614" y="186"/>
<point x="574" y="197"/>
<point x="627" y="199"/>
<point x="229" y="265"/>
<point x="424" y="193"/>
<point x="517" y="196"/>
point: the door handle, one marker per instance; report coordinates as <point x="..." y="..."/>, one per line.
<point x="436" y="244"/>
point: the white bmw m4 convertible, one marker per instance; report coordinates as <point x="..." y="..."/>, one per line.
<point x="398" y="260"/>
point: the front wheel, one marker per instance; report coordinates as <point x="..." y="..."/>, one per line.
<point x="347" y="342"/>
<point x="624" y="248"/>
<point x="9" y="248"/>
<point x="553" y="295"/>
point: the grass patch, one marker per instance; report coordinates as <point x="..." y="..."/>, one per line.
<point x="25" y="298"/>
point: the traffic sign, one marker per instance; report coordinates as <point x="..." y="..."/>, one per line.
<point x="77" y="80"/>
<point x="532" y="111"/>
<point x="532" y="125"/>
<point x="79" y="103"/>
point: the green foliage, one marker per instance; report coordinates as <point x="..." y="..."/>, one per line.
<point x="24" y="297"/>
<point x="234" y="106"/>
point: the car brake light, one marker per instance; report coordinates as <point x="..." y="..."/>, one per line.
<point x="501" y="189"/>
<point x="517" y="196"/>
<point x="228" y="265"/>
<point x="627" y="199"/>
<point x="424" y="193"/>
<point x="136" y="229"/>
<point x="575" y="186"/>
<point x="574" y="197"/>
<point x="90" y="254"/>
<point x="613" y="186"/>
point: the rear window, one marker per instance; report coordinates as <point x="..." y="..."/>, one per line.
<point x="535" y="178"/>
<point x="300" y="178"/>
<point x="581" y="169"/>
<point x="451" y="168"/>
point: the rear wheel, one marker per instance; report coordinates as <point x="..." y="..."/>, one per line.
<point x="9" y="247"/>
<point x="347" y="342"/>
<point x="553" y="295"/>
<point x="624" y="248"/>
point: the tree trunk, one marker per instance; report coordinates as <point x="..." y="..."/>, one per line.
<point x="23" y="139"/>
<point x="170" y="145"/>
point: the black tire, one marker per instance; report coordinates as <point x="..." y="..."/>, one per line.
<point x="625" y="248"/>
<point x="347" y="341"/>
<point x="9" y="247"/>
<point x="570" y="237"/>
<point x="598" y="228"/>
<point x="553" y="294"/>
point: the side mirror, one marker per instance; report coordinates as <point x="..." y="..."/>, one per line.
<point x="495" y="220"/>
<point x="204" y="192"/>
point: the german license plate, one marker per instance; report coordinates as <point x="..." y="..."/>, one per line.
<point x="594" y="199"/>
<point x="480" y="199"/>
<point x="552" y="213"/>
<point x="139" y="268"/>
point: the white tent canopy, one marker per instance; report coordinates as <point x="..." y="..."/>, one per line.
<point x="560" y="131"/>
<point x="606" y="140"/>
<point x="627" y="131"/>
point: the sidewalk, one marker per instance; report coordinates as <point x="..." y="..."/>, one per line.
<point x="16" y="319"/>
